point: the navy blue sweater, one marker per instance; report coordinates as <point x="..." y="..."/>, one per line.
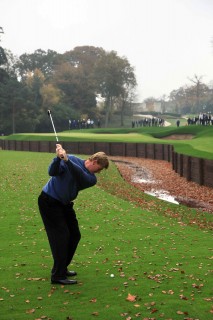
<point x="68" y="178"/>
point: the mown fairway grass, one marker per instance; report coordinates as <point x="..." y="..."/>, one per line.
<point x="158" y="255"/>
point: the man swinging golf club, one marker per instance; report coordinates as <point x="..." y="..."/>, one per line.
<point x="69" y="174"/>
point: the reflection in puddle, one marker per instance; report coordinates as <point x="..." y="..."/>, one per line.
<point x="137" y="180"/>
<point x="162" y="194"/>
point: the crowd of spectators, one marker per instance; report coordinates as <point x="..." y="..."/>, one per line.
<point x="202" y="119"/>
<point x="148" y="122"/>
<point x="83" y="124"/>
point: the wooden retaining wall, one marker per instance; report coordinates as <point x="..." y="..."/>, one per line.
<point x="193" y="169"/>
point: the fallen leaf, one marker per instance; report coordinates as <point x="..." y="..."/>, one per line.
<point x="131" y="298"/>
<point x="30" y="311"/>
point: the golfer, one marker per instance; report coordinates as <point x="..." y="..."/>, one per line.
<point x="69" y="174"/>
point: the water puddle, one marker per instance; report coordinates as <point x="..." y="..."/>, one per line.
<point x="138" y="180"/>
<point x="162" y="195"/>
<point x="144" y="176"/>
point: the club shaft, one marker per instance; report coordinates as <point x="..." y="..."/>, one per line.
<point x="53" y="127"/>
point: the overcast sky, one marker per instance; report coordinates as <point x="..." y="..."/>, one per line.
<point x="166" y="41"/>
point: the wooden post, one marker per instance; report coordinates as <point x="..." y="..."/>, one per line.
<point x="201" y="172"/>
<point x="154" y="151"/>
<point x="181" y="165"/>
<point x="188" y="170"/>
<point x="145" y="150"/>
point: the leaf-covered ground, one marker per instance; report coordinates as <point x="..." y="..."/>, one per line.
<point x="147" y="175"/>
<point x="162" y="266"/>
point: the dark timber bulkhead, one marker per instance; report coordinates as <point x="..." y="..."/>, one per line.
<point x="193" y="169"/>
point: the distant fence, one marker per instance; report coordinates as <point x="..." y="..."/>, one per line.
<point x="193" y="169"/>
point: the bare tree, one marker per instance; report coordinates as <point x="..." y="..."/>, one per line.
<point x="198" y="89"/>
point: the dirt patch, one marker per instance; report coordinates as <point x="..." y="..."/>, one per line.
<point x="179" y="137"/>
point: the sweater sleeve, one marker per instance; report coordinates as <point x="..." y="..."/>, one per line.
<point x="54" y="168"/>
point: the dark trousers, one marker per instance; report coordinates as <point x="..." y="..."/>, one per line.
<point x="62" y="231"/>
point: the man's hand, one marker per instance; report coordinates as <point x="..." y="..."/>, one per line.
<point x="61" y="153"/>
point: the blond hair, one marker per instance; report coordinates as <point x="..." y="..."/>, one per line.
<point x="101" y="158"/>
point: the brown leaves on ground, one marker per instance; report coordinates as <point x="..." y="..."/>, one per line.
<point x="159" y="175"/>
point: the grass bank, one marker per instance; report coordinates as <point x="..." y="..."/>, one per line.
<point x="160" y="259"/>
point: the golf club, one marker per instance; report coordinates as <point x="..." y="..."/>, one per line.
<point x="49" y="114"/>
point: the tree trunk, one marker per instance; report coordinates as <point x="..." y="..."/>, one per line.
<point x="108" y="108"/>
<point x="13" y="118"/>
<point x="122" y="113"/>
